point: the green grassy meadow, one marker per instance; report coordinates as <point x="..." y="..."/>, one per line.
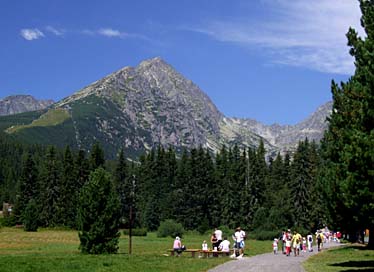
<point x="57" y="250"/>
<point x="348" y="258"/>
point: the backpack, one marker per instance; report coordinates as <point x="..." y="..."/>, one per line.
<point x="310" y="239"/>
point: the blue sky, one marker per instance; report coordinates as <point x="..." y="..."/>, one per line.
<point x="269" y="60"/>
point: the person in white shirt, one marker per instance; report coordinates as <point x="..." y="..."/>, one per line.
<point x="204" y="246"/>
<point x="239" y="237"/>
<point x="225" y="246"/>
<point x="309" y="239"/>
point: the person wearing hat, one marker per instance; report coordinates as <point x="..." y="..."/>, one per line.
<point x="239" y="237"/>
<point x="177" y="246"/>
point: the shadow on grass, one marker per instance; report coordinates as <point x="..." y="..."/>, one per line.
<point x="366" y="266"/>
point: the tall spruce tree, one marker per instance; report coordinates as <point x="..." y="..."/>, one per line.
<point x="50" y="189"/>
<point x="99" y="215"/>
<point x="97" y="158"/>
<point x="28" y="187"/>
<point x="68" y="190"/>
<point x="349" y="141"/>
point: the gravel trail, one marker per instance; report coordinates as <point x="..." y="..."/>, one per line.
<point x="270" y="262"/>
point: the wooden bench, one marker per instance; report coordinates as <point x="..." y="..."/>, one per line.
<point x="192" y="251"/>
<point x="203" y="253"/>
<point x="212" y="253"/>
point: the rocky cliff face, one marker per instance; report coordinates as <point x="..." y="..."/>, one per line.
<point x="137" y="108"/>
<point x="22" y="103"/>
<point x="285" y="138"/>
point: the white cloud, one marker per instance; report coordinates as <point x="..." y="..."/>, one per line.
<point x="300" y="33"/>
<point x="31" y="34"/>
<point x="109" y="32"/>
<point x="57" y="32"/>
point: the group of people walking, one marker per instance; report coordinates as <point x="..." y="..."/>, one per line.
<point x="293" y="243"/>
<point x="296" y="243"/>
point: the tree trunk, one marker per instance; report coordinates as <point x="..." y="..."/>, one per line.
<point x="371" y="237"/>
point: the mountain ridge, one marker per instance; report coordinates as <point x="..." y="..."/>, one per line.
<point x="152" y="104"/>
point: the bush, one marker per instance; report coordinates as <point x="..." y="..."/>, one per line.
<point x="170" y="228"/>
<point x="264" y="235"/>
<point x="226" y="231"/>
<point x="204" y="226"/>
<point x="136" y="232"/>
<point x="30" y="217"/>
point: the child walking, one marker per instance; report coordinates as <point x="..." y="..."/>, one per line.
<point x="288" y="246"/>
<point x="304" y="244"/>
<point x="275" y="246"/>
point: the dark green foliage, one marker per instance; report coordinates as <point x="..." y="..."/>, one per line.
<point x="349" y="142"/>
<point x="263" y="235"/>
<point x="96" y="156"/>
<point x="50" y="185"/>
<point x="69" y="191"/>
<point x="19" y="119"/>
<point x="98" y="215"/>
<point x="28" y="187"/>
<point x="31" y="216"/>
<point x="170" y="228"/>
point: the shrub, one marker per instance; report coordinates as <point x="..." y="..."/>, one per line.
<point x="204" y="226"/>
<point x="30" y="216"/>
<point x="226" y="231"/>
<point x="264" y="234"/>
<point x="136" y="232"/>
<point x="170" y="228"/>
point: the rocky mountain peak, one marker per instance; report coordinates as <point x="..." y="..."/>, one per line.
<point x="137" y="108"/>
<point x="22" y="103"/>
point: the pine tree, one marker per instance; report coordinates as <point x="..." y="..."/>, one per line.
<point x="68" y="191"/>
<point x="98" y="215"/>
<point x="50" y="189"/>
<point x="97" y="158"/>
<point x="28" y="186"/>
<point x="349" y="141"/>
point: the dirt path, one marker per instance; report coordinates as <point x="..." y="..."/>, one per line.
<point x="269" y="262"/>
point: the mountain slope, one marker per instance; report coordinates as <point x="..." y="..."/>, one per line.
<point x="137" y="108"/>
<point x="22" y="103"/>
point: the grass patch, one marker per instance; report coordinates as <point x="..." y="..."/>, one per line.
<point x="348" y="258"/>
<point x="57" y="250"/>
<point x="52" y="117"/>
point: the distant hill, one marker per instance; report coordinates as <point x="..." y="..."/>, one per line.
<point x="22" y="103"/>
<point x="137" y="108"/>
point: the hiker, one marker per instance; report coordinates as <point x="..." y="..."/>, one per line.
<point x="283" y="238"/>
<point x="288" y="246"/>
<point x="319" y="240"/>
<point x="304" y="244"/>
<point x="309" y="238"/>
<point x="239" y="237"/>
<point x="177" y="246"/>
<point x="296" y="240"/>
<point x="214" y="241"/>
<point x="224" y="246"/>
<point x="218" y="234"/>
<point x="275" y="246"/>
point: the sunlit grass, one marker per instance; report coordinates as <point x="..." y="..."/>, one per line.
<point x="52" y="117"/>
<point x="348" y="258"/>
<point x="57" y="250"/>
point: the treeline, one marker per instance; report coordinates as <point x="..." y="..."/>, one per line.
<point x="197" y="189"/>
